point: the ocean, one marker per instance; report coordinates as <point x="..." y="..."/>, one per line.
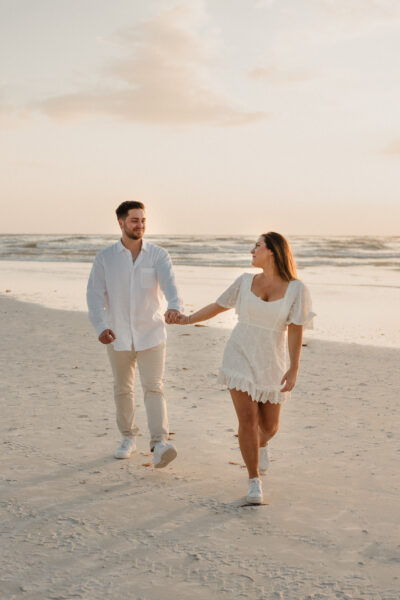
<point x="211" y="251"/>
<point x="354" y="280"/>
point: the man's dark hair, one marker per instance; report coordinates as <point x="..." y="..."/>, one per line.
<point x="125" y="207"/>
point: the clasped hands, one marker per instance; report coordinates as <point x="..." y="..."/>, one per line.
<point x="174" y="317"/>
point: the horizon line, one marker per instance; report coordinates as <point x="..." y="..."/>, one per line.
<point x="230" y="234"/>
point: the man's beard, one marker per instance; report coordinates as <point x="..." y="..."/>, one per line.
<point x="132" y="235"/>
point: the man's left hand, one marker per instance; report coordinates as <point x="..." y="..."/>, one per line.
<point x="171" y="316"/>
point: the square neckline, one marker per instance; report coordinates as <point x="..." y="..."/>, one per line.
<point x="267" y="301"/>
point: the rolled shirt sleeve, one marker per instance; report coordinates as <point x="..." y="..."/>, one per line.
<point x="166" y="279"/>
<point x="96" y="296"/>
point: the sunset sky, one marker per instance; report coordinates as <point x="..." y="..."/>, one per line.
<point x="222" y="116"/>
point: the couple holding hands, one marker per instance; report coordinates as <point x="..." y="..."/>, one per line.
<point x="124" y="297"/>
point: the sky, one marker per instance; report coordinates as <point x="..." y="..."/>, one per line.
<point x="222" y="116"/>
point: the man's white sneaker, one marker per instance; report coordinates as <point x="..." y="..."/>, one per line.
<point x="263" y="459"/>
<point x="255" y="495"/>
<point x="128" y="445"/>
<point x="163" y="454"/>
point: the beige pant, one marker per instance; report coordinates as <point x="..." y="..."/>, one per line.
<point x="151" y="369"/>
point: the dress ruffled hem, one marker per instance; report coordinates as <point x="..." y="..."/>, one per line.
<point x="242" y="384"/>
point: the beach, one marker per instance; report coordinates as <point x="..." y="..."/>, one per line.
<point x="184" y="148"/>
<point x="79" y="524"/>
<point x="354" y="304"/>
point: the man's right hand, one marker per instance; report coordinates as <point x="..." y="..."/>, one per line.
<point x="107" y="336"/>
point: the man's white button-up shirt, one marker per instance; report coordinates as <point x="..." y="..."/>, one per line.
<point x="125" y="295"/>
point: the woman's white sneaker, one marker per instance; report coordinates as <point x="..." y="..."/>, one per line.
<point x="128" y="445"/>
<point x="163" y="454"/>
<point x="255" y="495"/>
<point x="263" y="459"/>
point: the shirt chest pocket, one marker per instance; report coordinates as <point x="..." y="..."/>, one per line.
<point x="148" y="277"/>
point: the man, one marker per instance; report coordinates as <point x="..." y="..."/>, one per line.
<point x="123" y="296"/>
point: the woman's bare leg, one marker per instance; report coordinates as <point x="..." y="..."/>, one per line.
<point x="269" y="415"/>
<point x="248" y="414"/>
<point x="262" y="438"/>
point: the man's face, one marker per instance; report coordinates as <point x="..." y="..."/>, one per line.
<point x="134" y="224"/>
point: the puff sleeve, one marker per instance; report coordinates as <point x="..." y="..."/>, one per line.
<point x="229" y="297"/>
<point x="301" y="309"/>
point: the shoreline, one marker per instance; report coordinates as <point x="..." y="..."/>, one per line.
<point x="351" y="305"/>
<point x="77" y="519"/>
<point x="308" y="335"/>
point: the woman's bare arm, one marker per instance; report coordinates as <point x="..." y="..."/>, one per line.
<point x="295" y="338"/>
<point x="207" y="312"/>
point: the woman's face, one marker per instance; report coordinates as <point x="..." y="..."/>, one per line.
<point x="260" y="254"/>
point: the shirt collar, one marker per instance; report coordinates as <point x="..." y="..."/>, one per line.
<point x="121" y="247"/>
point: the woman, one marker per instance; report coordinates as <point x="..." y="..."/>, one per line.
<point x="254" y="363"/>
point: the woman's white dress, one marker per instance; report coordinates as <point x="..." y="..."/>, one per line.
<point x="254" y="359"/>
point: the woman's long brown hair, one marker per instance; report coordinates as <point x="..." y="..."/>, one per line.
<point x="283" y="256"/>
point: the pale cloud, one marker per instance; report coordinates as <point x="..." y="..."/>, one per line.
<point x="5" y="107"/>
<point x="5" y="110"/>
<point x="393" y="148"/>
<point x="320" y="23"/>
<point x="352" y="10"/>
<point x="164" y="76"/>
<point x="12" y="117"/>
<point x="281" y="75"/>
<point x="264" y="3"/>
<point x="305" y="29"/>
<point x="361" y="10"/>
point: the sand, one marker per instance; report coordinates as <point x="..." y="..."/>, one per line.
<point x="341" y="296"/>
<point x="76" y="523"/>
